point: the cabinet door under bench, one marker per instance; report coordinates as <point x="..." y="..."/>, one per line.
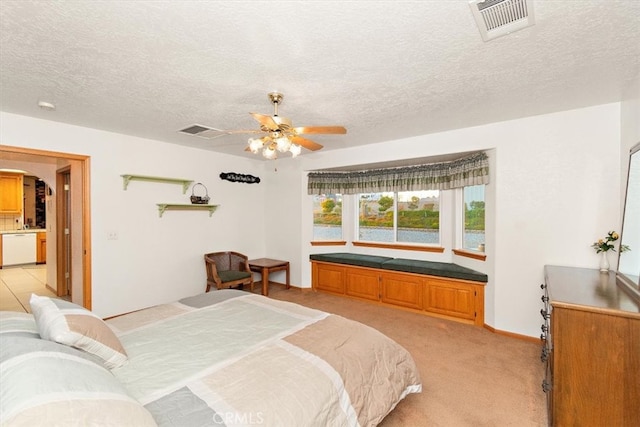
<point x="457" y="298"/>
<point x="404" y="290"/>
<point x="328" y="277"/>
<point x="359" y="282"/>
<point x="363" y="283"/>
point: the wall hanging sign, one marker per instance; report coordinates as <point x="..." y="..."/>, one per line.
<point x="240" y="177"/>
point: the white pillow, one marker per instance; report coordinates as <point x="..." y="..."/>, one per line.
<point x="45" y="384"/>
<point x="67" y="323"/>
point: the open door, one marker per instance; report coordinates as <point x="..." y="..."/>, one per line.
<point x="64" y="259"/>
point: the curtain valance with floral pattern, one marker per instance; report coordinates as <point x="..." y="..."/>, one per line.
<point x="472" y="170"/>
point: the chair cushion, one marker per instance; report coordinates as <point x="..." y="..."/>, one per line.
<point x="232" y="275"/>
<point x="372" y="261"/>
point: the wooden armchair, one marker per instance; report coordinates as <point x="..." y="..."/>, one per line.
<point x="227" y="270"/>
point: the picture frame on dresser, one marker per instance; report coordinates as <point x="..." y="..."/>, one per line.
<point x="628" y="271"/>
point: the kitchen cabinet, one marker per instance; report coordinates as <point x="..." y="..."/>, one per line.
<point x="11" y="193"/>
<point x="41" y="248"/>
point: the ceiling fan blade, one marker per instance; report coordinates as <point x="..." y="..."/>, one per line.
<point x="306" y="143"/>
<point x="320" y="129"/>
<point x="266" y="121"/>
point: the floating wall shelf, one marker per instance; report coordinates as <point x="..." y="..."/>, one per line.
<point x="162" y="207"/>
<point x="128" y="178"/>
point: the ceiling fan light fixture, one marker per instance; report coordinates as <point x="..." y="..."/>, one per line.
<point x="283" y="144"/>
<point x="255" y="145"/>
<point x="295" y="150"/>
<point x="269" y="152"/>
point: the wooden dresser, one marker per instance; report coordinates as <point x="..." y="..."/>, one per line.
<point x="591" y="337"/>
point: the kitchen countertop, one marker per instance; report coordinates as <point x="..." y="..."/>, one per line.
<point x="30" y="230"/>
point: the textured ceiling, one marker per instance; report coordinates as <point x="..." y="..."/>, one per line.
<point x="383" y="69"/>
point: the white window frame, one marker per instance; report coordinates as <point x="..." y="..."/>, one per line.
<point x="460" y="227"/>
<point x="355" y="199"/>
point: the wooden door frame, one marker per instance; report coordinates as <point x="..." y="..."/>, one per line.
<point x="30" y="155"/>
<point x="63" y="245"/>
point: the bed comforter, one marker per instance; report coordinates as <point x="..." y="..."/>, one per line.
<point x="233" y="358"/>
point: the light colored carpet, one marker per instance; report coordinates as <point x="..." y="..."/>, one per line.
<point x="470" y="376"/>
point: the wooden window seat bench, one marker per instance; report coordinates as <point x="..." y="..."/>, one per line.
<point x="434" y="288"/>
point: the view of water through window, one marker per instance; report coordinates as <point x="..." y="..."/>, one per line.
<point x="385" y="234"/>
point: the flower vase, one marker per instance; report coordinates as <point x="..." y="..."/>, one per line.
<point x="604" y="262"/>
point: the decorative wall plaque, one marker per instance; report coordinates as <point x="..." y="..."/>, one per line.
<point x="240" y="177"/>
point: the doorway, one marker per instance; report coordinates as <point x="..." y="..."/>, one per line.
<point x="79" y="199"/>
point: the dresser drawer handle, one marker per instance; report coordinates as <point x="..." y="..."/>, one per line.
<point x="544" y="355"/>
<point x="544" y="328"/>
<point x="544" y="298"/>
<point x="546" y="387"/>
<point x="544" y="314"/>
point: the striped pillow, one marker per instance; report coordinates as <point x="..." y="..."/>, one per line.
<point x="70" y="324"/>
<point x="45" y="384"/>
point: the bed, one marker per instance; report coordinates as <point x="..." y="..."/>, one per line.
<point x="221" y="358"/>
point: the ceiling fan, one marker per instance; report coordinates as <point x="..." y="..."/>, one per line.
<point x="281" y="135"/>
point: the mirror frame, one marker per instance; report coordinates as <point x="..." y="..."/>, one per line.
<point x="627" y="282"/>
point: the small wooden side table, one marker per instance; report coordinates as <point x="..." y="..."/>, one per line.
<point x="264" y="266"/>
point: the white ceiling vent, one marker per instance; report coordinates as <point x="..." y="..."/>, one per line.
<point x="497" y="18"/>
<point x="203" y="131"/>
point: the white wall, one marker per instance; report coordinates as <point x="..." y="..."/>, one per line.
<point x="153" y="260"/>
<point x="283" y="225"/>
<point x="555" y="189"/>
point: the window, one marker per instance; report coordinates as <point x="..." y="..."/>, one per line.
<point x="402" y="217"/>
<point x="327" y="217"/>
<point x="473" y="227"/>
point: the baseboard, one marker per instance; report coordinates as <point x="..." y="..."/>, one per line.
<point x="512" y="335"/>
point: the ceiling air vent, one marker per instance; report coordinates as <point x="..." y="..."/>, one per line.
<point x="497" y="18"/>
<point x="202" y="131"/>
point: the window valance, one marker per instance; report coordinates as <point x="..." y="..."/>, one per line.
<point x="471" y="170"/>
